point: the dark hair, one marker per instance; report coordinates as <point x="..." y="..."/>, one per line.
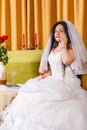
<point x="54" y="43"/>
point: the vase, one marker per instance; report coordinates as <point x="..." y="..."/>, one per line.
<point x="3" y="77"/>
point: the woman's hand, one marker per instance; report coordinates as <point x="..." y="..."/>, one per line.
<point x="63" y="41"/>
<point x="42" y="76"/>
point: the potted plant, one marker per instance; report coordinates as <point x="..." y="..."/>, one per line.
<point x="3" y="59"/>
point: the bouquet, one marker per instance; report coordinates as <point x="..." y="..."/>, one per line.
<point x="3" y="49"/>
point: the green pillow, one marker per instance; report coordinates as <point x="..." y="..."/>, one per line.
<point x="23" y="65"/>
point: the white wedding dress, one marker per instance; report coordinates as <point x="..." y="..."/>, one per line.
<point x="54" y="103"/>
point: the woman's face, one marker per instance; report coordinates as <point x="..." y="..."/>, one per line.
<point x="59" y="32"/>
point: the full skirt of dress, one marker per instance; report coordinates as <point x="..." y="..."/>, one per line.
<point x="47" y="104"/>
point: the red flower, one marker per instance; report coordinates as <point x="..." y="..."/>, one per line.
<point x="3" y="38"/>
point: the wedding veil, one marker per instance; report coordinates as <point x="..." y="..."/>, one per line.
<point x="79" y="66"/>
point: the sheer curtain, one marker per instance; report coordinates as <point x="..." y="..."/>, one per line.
<point x="21" y="19"/>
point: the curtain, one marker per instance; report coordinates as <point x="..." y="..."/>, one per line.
<point x="22" y="19"/>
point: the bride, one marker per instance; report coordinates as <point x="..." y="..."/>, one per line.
<point x="54" y="100"/>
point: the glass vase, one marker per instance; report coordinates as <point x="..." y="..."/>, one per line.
<point x="3" y="78"/>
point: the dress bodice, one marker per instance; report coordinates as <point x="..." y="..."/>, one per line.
<point x="57" y="69"/>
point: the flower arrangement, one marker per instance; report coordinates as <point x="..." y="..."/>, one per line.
<point x="3" y="49"/>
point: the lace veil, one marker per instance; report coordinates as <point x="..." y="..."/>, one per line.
<point x="79" y="66"/>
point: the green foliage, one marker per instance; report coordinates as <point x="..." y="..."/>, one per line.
<point x="3" y="55"/>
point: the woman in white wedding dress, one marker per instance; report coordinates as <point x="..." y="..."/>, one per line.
<point x="54" y="100"/>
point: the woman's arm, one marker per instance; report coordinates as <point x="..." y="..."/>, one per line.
<point x="67" y="55"/>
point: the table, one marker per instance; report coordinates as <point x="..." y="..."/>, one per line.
<point x="7" y="95"/>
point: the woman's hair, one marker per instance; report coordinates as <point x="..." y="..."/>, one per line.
<point x="54" y="43"/>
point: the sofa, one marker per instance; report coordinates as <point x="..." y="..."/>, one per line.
<point x="22" y="65"/>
